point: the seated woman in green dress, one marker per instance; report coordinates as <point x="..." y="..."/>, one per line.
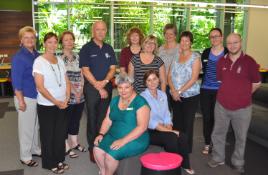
<point x="124" y="130"/>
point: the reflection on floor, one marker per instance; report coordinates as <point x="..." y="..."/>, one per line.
<point x="256" y="155"/>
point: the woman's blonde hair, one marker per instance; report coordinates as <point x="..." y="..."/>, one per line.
<point x="25" y="29"/>
<point x="150" y="38"/>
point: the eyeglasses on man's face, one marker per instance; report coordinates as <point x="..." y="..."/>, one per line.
<point x="233" y="43"/>
<point x="215" y="36"/>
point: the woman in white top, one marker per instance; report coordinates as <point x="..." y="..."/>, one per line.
<point x="53" y="95"/>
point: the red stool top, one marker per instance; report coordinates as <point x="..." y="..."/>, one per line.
<point x="161" y="161"/>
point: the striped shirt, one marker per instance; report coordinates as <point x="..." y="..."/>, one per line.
<point x="210" y="80"/>
<point x="140" y="69"/>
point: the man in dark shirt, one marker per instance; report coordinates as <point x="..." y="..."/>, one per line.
<point x="97" y="60"/>
<point x="239" y="76"/>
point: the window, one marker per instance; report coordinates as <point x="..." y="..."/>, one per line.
<point x="150" y="17"/>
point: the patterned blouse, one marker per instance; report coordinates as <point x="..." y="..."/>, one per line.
<point x="182" y="72"/>
<point x="75" y="77"/>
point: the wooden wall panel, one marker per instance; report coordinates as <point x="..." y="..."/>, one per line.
<point x="11" y="22"/>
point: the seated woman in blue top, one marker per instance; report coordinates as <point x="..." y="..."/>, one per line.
<point x="124" y="130"/>
<point x="160" y="125"/>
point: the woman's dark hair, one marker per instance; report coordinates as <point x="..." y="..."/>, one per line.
<point x="148" y="73"/>
<point x="217" y="29"/>
<point x="50" y="35"/>
<point x="66" y="33"/>
<point x="170" y="26"/>
<point x="187" y="34"/>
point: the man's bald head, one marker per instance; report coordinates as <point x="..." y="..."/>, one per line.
<point x="99" y="30"/>
<point x="234" y="44"/>
<point x="234" y="35"/>
<point x="98" y="23"/>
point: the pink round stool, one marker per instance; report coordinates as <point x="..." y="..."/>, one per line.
<point x="162" y="163"/>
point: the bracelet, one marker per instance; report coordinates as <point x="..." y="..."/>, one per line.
<point x="100" y="134"/>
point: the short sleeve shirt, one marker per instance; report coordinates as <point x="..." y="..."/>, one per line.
<point x="236" y="81"/>
<point x="140" y="69"/>
<point x="125" y="57"/>
<point x="168" y="56"/>
<point x="54" y="79"/>
<point x="182" y="72"/>
<point x="159" y="113"/>
<point x="75" y="76"/>
<point x="97" y="59"/>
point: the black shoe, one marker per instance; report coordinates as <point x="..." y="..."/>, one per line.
<point x="239" y="169"/>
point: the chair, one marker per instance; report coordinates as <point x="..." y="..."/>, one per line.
<point x="162" y="163"/>
<point x="4" y="78"/>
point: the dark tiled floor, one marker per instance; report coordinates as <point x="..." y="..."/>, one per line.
<point x="256" y="156"/>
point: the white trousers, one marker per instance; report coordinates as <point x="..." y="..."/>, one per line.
<point x="28" y="129"/>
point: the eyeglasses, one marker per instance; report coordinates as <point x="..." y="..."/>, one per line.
<point x="234" y="43"/>
<point x="150" y="43"/>
<point x="28" y="38"/>
<point x="215" y="37"/>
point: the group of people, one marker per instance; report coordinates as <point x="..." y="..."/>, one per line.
<point x="158" y="96"/>
<point x="48" y="93"/>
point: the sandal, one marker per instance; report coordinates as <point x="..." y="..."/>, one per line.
<point x="63" y="166"/>
<point x="189" y="171"/>
<point x="206" y="150"/>
<point x="31" y="163"/>
<point x="57" y="170"/>
<point x="71" y="154"/>
<point x="80" y="148"/>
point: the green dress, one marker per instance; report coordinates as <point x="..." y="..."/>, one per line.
<point x="123" y="122"/>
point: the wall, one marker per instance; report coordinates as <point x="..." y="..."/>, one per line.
<point x="257" y="39"/>
<point x="14" y="14"/>
<point x="21" y="5"/>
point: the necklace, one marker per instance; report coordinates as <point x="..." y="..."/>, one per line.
<point x="125" y="103"/>
<point x="55" y="74"/>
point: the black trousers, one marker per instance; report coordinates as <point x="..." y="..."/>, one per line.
<point x="183" y="116"/>
<point x="169" y="98"/>
<point x="96" y="110"/>
<point x="172" y="143"/>
<point x="52" y="121"/>
<point x="74" y="114"/>
<point x="207" y="103"/>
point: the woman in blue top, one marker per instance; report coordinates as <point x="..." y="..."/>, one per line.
<point x="25" y="96"/>
<point x="184" y="88"/>
<point x="161" y="130"/>
<point x="210" y="85"/>
<point x="123" y="132"/>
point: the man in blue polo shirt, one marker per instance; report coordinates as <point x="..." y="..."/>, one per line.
<point x="97" y="60"/>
